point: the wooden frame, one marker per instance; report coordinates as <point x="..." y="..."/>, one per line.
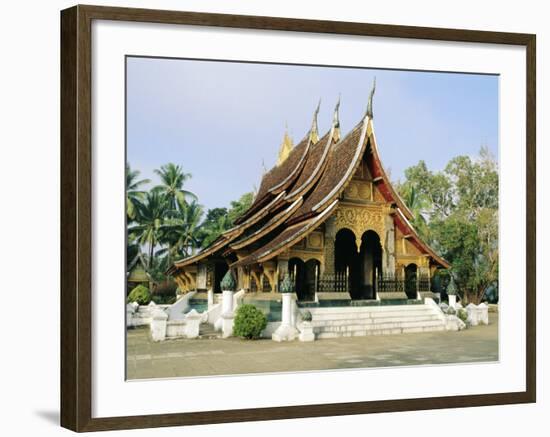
<point x="76" y="218"/>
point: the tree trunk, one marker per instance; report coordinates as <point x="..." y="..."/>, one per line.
<point x="150" y="255"/>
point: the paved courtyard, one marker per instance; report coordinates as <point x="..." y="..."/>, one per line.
<point x="183" y="357"/>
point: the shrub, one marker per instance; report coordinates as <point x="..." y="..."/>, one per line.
<point x="140" y="295"/>
<point x="249" y="322"/>
<point x="451" y="311"/>
<point x="463" y="315"/>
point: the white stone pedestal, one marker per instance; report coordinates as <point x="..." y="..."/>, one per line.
<point x="158" y="325"/>
<point x="483" y="313"/>
<point x="227" y="301"/>
<point x="306" y="332"/>
<point x="472" y="314"/>
<point x="210" y="298"/>
<point x="452" y="300"/>
<point x="192" y="324"/>
<point x="227" y="324"/>
<point x="228" y="315"/>
<point x="286" y="332"/>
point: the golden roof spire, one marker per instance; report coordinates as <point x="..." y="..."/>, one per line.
<point x="336" y="121"/>
<point x="286" y="147"/>
<point x="314" y="131"/>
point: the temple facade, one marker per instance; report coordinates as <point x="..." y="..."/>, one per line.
<point x="327" y="215"/>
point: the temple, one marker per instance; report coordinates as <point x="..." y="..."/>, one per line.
<point x="328" y="215"/>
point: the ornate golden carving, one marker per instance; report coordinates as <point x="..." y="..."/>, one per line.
<point x="360" y="219"/>
<point x="364" y="191"/>
<point x="358" y="190"/>
<point x="315" y="240"/>
<point x="306" y="256"/>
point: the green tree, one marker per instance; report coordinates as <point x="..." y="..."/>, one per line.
<point x="172" y="181"/>
<point x="133" y="192"/>
<point x="460" y="205"/>
<point x="239" y="207"/>
<point x="219" y="220"/>
<point x="181" y="230"/>
<point x="418" y="205"/>
<point x="214" y="224"/>
<point x="150" y="216"/>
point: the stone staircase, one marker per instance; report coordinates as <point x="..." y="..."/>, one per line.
<point x="207" y="331"/>
<point x="332" y="322"/>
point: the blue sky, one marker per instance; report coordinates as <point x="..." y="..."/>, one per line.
<point x="219" y="120"/>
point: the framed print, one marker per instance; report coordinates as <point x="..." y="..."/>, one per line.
<point x="268" y="218"/>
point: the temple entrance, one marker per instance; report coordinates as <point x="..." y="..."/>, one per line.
<point x="361" y="266"/>
<point x="220" y="269"/>
<point x="370" y="264"/>
<point x="303" y="274"/>
<point x="346" y="260"/>
<point x="297" y="271"/>
<point x="312" y="270"/>
<point x="410" y="280"/>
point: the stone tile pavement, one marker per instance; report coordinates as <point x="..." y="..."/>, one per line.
<point x="202" y="357"/>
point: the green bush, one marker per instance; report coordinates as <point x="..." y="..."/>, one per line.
<point x="463" y="315"/>
<point x="451" y="311"/>
<point x="249" y="322"/>
<point x="140" y="294"/>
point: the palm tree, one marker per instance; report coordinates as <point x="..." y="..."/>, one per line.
<point x="213" y="229"/>
<point x="133" y="194"/>
<point x="417" y="206"/>
<point x="173" y="178"/>
<point x="182" y="230"/>
<point x="150" y="215"/>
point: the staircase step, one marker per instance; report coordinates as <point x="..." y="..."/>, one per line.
<point x="363" y="333"/>
<point x="332" y="322"/>
<point x="376" y="322"/>
<point x="375" y="326"/>
<point x="373" y="316"/>
<point x="206" y="330"/>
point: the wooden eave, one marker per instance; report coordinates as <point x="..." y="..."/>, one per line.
<point x="286" y="239"/>
<point x="382" y="180"/>
<point x="268" y="227"/>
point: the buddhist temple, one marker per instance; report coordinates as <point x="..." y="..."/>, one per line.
<point x="327" y="215"/>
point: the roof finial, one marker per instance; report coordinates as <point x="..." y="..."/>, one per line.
<point x="286" y="147"/>
<point x="264" y="170"/>
<point x="336" y="121"/>
<point x="371" y="95"/>
<point x="314" y="131"/>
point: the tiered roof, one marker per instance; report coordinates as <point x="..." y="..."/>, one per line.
<point x="298" y="194"/>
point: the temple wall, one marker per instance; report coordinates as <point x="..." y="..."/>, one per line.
<point x="388" y="258"/>
<point x="328" y="252"/>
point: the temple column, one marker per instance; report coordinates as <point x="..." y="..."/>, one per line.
<point x="201" y="277"/>
<point x="241" y="278"/>
<point x="330" y="237"/>
<point x="388" y="253"/>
